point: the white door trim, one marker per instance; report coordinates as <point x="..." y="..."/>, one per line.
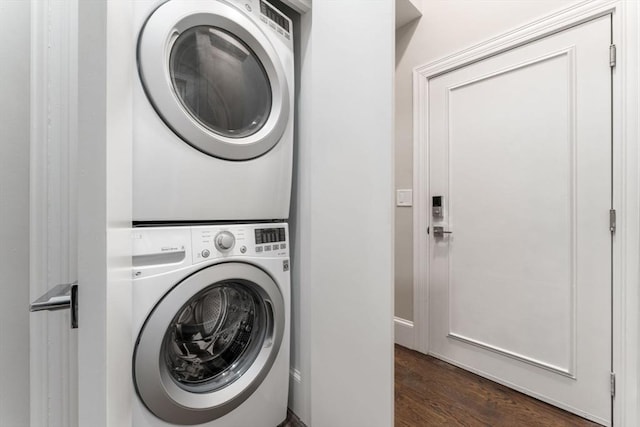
<point x="52" y="241"/>
<point x="106" y="72"/>
<point x="626" y="185"/>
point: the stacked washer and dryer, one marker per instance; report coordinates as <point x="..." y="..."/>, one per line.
<point x="213" y="149"/>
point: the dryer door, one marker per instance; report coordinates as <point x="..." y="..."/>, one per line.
<point x="209" y="343"/>
<point x="214" y="77"/>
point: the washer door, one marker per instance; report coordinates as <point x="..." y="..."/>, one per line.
<point x="209" y="343"/>
<point x="214" y="78"/>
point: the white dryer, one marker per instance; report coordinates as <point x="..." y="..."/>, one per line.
<point x="213" y="111"/>
<point x="211" y="322"/>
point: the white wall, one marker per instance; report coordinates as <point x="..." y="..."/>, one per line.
<point x="299" y="220"/>
<point x="446" y="27"/>
<point x="14" y="213"/>
<point x="344" y="215"/>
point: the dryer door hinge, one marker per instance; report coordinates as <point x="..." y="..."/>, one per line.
<point x="612" y="220"/>
<point x="612" y="55"/>
<point x="613" y="384"/>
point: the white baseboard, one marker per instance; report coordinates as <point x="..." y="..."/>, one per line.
<point x="404" y="334"/>
<point x="294" y="376"/>
<point x="297" y="394"/>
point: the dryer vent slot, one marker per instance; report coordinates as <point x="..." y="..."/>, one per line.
<point x="158" y="259"/>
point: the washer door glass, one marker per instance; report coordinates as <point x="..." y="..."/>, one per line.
<point x="220" y="81"/>
<point x="215" y="337"/>
<point x="209" y="343"/>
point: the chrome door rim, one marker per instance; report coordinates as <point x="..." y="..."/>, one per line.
<point x="155" y="42"/>
<point x="153" y="383"/>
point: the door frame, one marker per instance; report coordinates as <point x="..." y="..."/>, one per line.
<point x="626" y="186"/>
<point x="53" y="203"/>
<point x="80" y="187"/>
<point x="106" y="50"/>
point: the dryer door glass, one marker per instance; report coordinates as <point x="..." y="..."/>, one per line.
<point x="220" y="81"/>
<point x="216" y="336"/>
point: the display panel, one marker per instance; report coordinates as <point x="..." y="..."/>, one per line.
<point x="270" y="235"/>
<point x="273" y="15"/>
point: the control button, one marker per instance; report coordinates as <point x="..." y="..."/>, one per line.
<point x="224" y="241"/>
<point x="276" y="247"/>
<point x="243" y="249"/>
<point x="248" y="7"/>
<point x="267" y="248"/>
<point x="263" y="19"/>
<point x="283" y="246"/>
<point x="258" y="249"/>
<point x="280" y="30"/>
<point x="272" y="25"/>
<point x="287" y="36"/>
<point x="206" y="253"/>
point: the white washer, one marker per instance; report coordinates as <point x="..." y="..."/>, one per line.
<point x="211" y="322"/>
<point x="213" y="111"/>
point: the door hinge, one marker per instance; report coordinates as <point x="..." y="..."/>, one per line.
<point x="612" y="55"/>
<point x="613" y="384"/>
<point x="612" y="220"/>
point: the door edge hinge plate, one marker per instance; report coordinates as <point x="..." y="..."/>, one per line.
<point x="612" y="220"/>
<point x="613" y="384"/>
<point x="612" y="55"/>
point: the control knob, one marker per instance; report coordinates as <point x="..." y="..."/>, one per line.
<point x="224" y="241"/>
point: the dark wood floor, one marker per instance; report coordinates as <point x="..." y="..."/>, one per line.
<point x="429" y="392"/>
<point x="292" y="421"/>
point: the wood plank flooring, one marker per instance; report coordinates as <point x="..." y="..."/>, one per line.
<point x="429" y="392"/>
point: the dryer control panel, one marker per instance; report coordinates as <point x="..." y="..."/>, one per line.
<point x="276" y="20"/>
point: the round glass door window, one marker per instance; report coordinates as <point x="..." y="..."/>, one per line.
<point x="215" y="337"/>
<point x="209" y="343"/>
<point x="216" y="79"/>
<point x="220" y="81"/>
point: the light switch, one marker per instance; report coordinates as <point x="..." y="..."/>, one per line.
<point x="404" y="197"/>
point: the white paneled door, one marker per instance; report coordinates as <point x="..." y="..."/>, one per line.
<point x="520" y="268"/>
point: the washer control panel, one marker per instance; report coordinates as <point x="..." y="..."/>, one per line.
<point x="158" y="250"/>
<point x="262" y="240"/>
<point x="270" y="239"/>
<point x="224" y="241"/>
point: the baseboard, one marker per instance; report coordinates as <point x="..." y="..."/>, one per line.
<point x="294" y="376"/>
<point x="297" y="395"/>
<point x="404" y="334"/>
